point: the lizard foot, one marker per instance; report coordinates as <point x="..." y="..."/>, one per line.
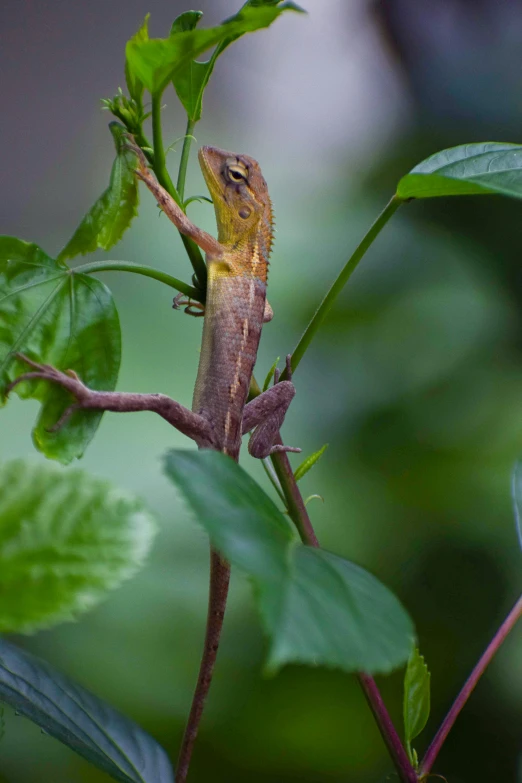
<point x="191" y="307"/>
<point x="68" y="380"/>
<point x="279" y="448"/>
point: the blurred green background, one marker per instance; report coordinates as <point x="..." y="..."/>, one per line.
<point x="415" y="379"/>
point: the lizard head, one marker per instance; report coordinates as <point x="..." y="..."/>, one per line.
<point x="240" y="196"/>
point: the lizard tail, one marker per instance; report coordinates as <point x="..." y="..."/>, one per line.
<point x="219" y="580"/>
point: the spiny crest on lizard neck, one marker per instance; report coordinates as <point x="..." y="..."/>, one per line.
<point x="241" y="201"/>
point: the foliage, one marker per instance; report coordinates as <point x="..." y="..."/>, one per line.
<point x="79" y="719"/>
<point x="155" y="62"/>
<point x="107" y="220"/>
<point x="59" y="317"/>
<point x="468" y="170"/>
<point x="416" y="706"/>
<point x="66" y="539"/>
<point x="317" y="608"/>
<point x="309" y="462"/>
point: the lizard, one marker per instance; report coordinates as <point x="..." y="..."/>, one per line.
<point x="234" y="312"/>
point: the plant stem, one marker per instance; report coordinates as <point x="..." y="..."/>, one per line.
<point x="341" y="280"/>
<point x="198" y="265"/>
<point x="147" y="271"/>
<point x="469" y="685"/>
<point x="143" y="142"/>
<point x="389" y="734"/>
<point x="160" y="169"/>
<point x="294" y="500"/>
<point x="292" y="497"/>
<point x="299" y="515"/>
<point x="185" y="152"/>
<point x="272" y="476"/>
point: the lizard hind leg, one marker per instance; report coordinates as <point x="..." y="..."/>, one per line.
<point x="265" y="415"/>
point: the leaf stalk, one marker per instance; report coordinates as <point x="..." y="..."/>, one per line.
<point x="467" y="689"/>
<point x="341" y="280"/>
<point x="297" y="511"/>
<point x="185" y="154"/>
<point x="147" y="271"/>
<point x="160" y="169"/>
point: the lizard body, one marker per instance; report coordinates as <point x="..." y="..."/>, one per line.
<point x="234" y="315"/>
<point x="236" y="292"/>
<point x="235" y="310"/>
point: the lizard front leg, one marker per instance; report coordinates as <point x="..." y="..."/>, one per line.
<point x="191" y="424"/>
<point x="197" y="309"/>
<point x="265" y="415"/>
<point x="206" y="241"/>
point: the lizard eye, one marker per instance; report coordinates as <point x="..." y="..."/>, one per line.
<point x="236" y="173"/>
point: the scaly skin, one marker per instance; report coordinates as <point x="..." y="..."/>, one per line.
<point x="236" y="292"/>
<point x="235" y="310"/>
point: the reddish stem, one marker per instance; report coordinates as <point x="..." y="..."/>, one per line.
<point x="219" y="579"/>
<point x="299" y="514"/>
<point x="388" y="731"/>
<point x="469" y="685"/>
<point x="294" y="500"/>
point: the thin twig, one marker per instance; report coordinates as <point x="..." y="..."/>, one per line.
<point x="469" y="685"/>
<point x="185" y="153"/>
<point x="140" y="269"/>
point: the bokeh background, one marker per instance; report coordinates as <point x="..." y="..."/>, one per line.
<point x="415" y="380"/>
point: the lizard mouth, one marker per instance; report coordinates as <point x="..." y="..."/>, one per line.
<point x="209" y="158"/>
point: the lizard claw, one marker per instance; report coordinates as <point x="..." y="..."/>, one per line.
<point x="277" y="371"/>
<point x="278" y="449"/>
<point x="197" y="309"/>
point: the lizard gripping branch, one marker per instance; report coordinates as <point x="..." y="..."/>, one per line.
<point x="235" y="311"/>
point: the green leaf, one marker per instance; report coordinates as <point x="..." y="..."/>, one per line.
<point x="470" y="169"/>
<point x="191" y="80"/>
<point x="313" y="497"/>
<point x="331" y="612"/>
<point x="190" y="85"/>
<point x="65" y="540"/>
<point x="58" y="317"/>
<point x="317" y="608"/>
<point x="255" y="536"/>
<point x="416" y="706"/>
<point x="79" y="719"/>
<point x="185" y="22"/>
<point x="309" y="462"/>
<point x="111" y="215"/>
<point x="134" y="85"/>
<point x="159" y="60"/>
